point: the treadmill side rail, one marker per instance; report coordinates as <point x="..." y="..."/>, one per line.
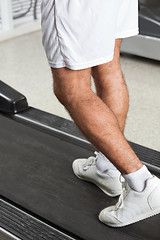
<point x="11" y="101"/>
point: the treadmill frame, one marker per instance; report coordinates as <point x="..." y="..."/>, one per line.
<point x="18" y="223"/>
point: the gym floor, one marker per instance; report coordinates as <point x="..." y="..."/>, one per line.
<point x="24" y="67"/>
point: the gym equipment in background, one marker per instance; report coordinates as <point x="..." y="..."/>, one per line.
<point x="147" y="43"/>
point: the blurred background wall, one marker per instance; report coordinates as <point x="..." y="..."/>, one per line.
<point x="18" y="17"/>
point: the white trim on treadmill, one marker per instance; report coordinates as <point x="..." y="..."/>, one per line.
<point x="151" y="20"/>
<point x="43" y="125"/>
<point x="7" y="235"/>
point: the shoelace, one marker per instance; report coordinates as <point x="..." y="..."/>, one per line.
<point x="90" y="161"/>
<point x="123" y="194"/>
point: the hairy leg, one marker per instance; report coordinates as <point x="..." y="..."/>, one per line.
<point x="111" y="86"/>
<point x="93" y="117"/>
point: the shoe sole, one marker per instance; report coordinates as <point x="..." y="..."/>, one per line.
<point x="88" y="180"/>
<point x="142" y="217"/>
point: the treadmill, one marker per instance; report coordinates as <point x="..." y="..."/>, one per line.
<point x="40" y="197"/>
<point x="147" y="43"/>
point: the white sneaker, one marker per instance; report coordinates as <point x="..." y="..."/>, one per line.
<point x="133" y="206"/>
<point x="109" y="182"/>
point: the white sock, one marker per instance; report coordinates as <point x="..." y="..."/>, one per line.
<point x="103" y="164"/>
<point x="137" y="179"/>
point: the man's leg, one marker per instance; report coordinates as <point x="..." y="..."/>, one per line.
<point x="111" y="86"/>
<point x="112" y="89"/>
<point x="93" y="117"/>
<point x="100" y="125"/>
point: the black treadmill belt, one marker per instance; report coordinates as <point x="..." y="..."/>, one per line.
<point x="36" y="174"/>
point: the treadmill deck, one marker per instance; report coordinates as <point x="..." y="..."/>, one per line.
<point x="41" y="198"/>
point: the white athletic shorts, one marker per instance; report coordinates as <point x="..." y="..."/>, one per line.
<point x="79" y="34"/>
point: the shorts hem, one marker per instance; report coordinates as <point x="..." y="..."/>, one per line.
<point x="127" y="33"/>
<point x="79" y="66"/>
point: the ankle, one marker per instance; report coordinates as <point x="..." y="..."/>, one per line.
<point x="103" y="164"/>
<point x="131" y="168"/>
<point x="137" y="180"/>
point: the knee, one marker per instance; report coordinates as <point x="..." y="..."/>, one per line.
<point x="69" y="85"/>
<point x="61" y="95"/>
<point x="71" y="97"/>
<point x="65" y="95"/>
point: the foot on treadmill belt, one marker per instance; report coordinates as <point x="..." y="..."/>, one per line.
<point x="133" y="206"/>
<point x="109" y="182"/>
